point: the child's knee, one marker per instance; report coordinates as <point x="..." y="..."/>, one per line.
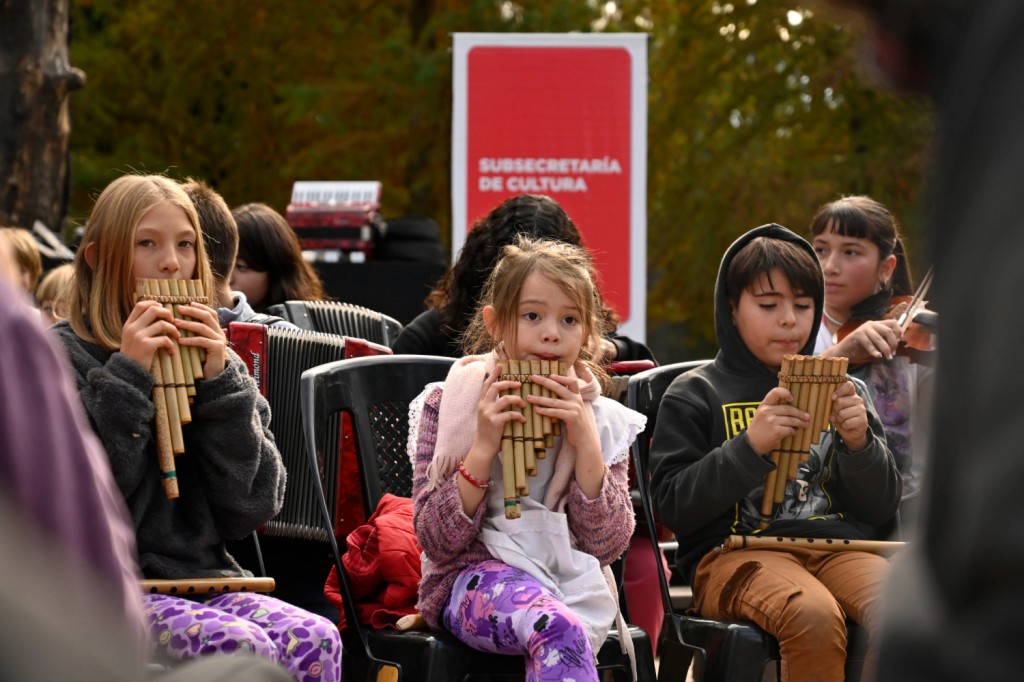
<point x="809" y="616"/>
<point x="552" y="621"/>
<point x="237" y="636"/>
<point x="299" y="635"/>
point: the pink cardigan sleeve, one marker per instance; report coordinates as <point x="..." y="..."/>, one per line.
<point x="604" y="525"/>
<point x="442" y="527"/>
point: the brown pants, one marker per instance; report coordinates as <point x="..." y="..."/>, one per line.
<point x="801" y="596"/>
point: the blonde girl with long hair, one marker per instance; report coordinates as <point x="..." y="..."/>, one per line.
<point x="231" y="477"/>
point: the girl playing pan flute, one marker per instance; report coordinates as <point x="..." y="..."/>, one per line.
<point x="534" y="585"/>
<point x="231" y="479"/>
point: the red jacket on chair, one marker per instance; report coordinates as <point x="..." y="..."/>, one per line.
<point x="383" y="566"/>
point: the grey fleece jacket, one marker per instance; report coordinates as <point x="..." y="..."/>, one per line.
<point x="231" y="477"/>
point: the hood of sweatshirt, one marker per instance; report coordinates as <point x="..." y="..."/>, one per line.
<point x="733" y="356"/>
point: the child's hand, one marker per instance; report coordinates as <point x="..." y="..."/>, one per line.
<point x="872" y="340"/>
<point x="849" y="416"/>
<point x="775" y="418"/>
<point x="566" y="404"/>
<point x="202" y="321"/>
<point x="493" y="412"/>
<point x="148" y="328"/>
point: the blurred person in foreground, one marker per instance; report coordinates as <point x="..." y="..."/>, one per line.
<point x="70" y="598"/>
<point x="956" y="596"/>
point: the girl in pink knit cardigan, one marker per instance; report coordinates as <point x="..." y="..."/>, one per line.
<point x="536" y="586"/>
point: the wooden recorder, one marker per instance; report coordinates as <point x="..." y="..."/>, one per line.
<point x="825" y="544"/>
<point x="174" y="375"/>
<point x="207" y="585"/>
<point x="811" y="380"/>
<point x="522" y="444"/>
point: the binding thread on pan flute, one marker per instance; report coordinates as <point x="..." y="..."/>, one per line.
<point x="810" y="379"/>
<point x="522" y="444"/>
<point x="174" y="375"/>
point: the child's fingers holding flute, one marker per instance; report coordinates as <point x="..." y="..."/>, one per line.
<point x="849" y="416"/>
<point x="500" y="403"/>
<point x="207" y="334"/>
<point x="563" y="402"/>
<point x="148" y="328"/>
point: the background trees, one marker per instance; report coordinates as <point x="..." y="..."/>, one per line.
<point x="757" y="114"/>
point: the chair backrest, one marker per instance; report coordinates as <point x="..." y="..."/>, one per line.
<point x="336" y="317"/>
<point x="376" y="392"/>
<point x="643" y="394"/>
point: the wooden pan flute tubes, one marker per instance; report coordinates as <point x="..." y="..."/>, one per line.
<point x="162" y="289"/>
<point x="523" y="443"/>
<point x="173" y="376"/>
<point x="826" y="544"/>
<point x="812" y="381"/>
<point x="164" y="449"/>
<point x="194" y="290"/>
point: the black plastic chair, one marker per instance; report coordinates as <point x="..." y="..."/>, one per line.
<point x="376" y="391"/>
<point x="337" y="317"/>
<point x="731" y="651"/>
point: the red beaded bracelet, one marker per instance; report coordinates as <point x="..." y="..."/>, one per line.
<point x="473" y="479"/>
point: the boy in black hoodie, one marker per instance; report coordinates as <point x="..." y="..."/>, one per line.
<point x="709" y="460"/>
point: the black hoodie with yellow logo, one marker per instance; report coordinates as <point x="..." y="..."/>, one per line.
<point x="707" y="481"/>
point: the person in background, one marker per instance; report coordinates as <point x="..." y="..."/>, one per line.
<point x="716" y="428"/>
<point x="25" y="251"/>
<point x="269" y="268"/>
<point x="231" y="478"/>
<point x="452" y="303"/>
<point x="866" y="273"/>
<point x="51" y="293"/>
<point x="956" y="595"/>
<point x="220" y="237"/>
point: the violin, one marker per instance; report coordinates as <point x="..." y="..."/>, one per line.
<point x="918" y="325"/>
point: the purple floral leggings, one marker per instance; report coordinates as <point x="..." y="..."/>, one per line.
<point x="306" y="644"/>
<point x="494" y="607"/>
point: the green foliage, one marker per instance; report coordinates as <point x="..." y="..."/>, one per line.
<point x="756" y="120"/>
<point x="751" y="119"/>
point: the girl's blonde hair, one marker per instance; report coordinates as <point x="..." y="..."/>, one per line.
<point x="569" y="267"/>
<point x="26" y="254"/>
<point x="55" y="288"/>
<point x="103" y="296"/>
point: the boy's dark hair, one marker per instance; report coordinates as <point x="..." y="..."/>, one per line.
<point x="764" y="254"/>
<point x="220" y="234"/>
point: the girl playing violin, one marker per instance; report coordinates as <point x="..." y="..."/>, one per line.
<point x="866" y="272"/>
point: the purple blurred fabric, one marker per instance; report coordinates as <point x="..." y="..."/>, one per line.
<point x="53" y="468"/>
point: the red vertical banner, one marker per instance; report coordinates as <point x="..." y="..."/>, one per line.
<point x="559" y="116"/>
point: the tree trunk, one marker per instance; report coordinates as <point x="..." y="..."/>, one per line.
<point x="35" y="122"/>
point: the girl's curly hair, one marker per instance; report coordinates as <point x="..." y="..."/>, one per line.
<point x="457" y="293"/>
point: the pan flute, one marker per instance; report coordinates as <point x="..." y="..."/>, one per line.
<point x="523" y="443"/>
<point x="811" y="380"/>
<point x="174" y="375"/>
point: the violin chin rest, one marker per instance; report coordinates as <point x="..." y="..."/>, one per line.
<point x="927" y="318"/>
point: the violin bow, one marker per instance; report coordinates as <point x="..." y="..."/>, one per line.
<point x="907" y="316"/>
